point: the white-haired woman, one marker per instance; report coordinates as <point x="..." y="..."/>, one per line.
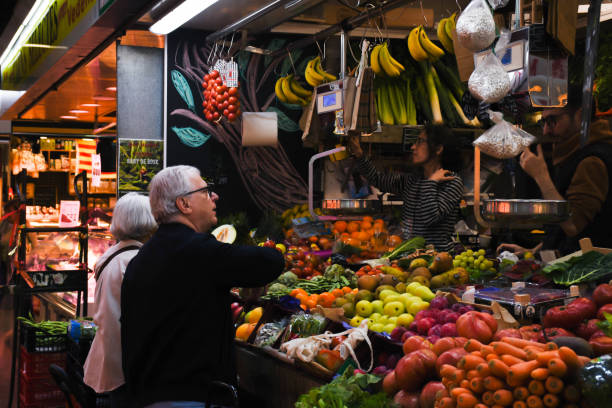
<point x="132" y="225"/>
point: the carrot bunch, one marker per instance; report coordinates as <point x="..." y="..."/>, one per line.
<point x="513" y="373"/>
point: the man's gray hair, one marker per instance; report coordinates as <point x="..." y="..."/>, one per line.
<point x="166" y="186"/>
<point x="132" y="218"/>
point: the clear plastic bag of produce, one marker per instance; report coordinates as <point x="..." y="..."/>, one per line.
<point x="269" y="332"/>
<point x="489" y="82"/>
<point x="503" y="140"/>
<point x="475" y="26"/>
<point x="305" y="325"/>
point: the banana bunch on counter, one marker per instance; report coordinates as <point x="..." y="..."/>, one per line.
<point x="383" y="64"/>
<point x="289" y="90"/>
<point x="421" y="47"/>
<point x="316" y="75"/>
<point x="446" y="26"/>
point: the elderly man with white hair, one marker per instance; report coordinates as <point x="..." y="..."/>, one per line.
<point x="132" y="225"/>
<point x="176" y="324"/>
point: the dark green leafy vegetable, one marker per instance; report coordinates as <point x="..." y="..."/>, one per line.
<point x="588" y="267"/>
<point x="406" y="248"/>
<point x="345" y="391"/>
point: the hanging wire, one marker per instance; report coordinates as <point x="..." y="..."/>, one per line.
<point x="211" y="53"/>
<point x="291" y="61"/>
<point x="319" y="47"/>
<point x="423" y="13"/>
<point x="351" y="50"/>
<point x="379" y="32"/>
<point x="230" y="46"/>
<point x="458" y="6"/>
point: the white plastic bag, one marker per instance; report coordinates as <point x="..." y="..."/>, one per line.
<point x="497" y="4"/>
<point x="489" y="82"/>
<point x="475" y="26"/>
<point x="503" y="140"/>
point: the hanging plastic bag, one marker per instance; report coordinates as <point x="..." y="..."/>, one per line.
<point x="489" y="82"/>
<point x="475" y="26"/>
<point x="503" y="140"/>
<point x="497" y="4"/>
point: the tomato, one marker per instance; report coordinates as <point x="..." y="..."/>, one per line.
<point x="233" y="100"/>
<point x="553" y="333"/>
<point x="218" y="81"/>
<point x="238" y="112"/>
<point x="215" y="115"/>
<point x="531" y="332"/>
<point x="231" y="117"/>
<point x="225" y="104"/>
<point x="233" y="91"/>
<point x="570" y="316"/>
<point x="336" y="341"/>
<point x="602" y="294"/>
<point x="605" y="308"/>
<point x="214" y="74"/>
<point x="219" y="99"/>
<point x="587" y="329"/>
<point x="225" y="112"/>
<point x="477" y="325"/>
<point x="209" y="117"/>
<point x="231" y="108"/>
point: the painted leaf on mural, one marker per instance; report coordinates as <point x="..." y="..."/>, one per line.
<point x="182" y="87"/>
<point x="286" y="68"/>
<point x="273" y="45"/>
<point x="242" y="58"/>
<point x="284" y="123"/>
<point x="291" y="106"/>
<point x="190" y="136"/>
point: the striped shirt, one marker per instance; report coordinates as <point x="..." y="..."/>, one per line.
<point x="430" y="209"/>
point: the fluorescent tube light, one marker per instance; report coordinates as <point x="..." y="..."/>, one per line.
<point x="92" y="105"/>
<point x="25" y="30"/>
<point x="180" y="15"/>
<point x="77" y="111"/>
<point x="69" y="117"/>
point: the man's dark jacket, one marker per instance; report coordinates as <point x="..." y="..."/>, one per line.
<point x="176" y="323"/>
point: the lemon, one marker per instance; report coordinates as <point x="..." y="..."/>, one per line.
<point x="528" y="255"/>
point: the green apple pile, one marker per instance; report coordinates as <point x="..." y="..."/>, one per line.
<point x="392" y="307"/>
<point x="474" y="262"/>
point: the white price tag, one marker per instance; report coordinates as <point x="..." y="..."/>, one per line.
<point x="220" y="66"/>
<point x="96" y="170"/>
<point x="231" y="75"/>
<point x="69" y="214"/>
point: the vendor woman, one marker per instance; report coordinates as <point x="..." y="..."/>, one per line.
<point x="432" y="194"/>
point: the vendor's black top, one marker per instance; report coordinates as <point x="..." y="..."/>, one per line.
<point x="599" y="230"/>
<point x="176" y="325"/>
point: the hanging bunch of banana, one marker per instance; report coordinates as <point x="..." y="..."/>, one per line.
<point x="315" y="74"/>
<point x="446" y="26"/>
<point x="383" y="64"/>
<point x="421" y="47"/>
<point x="289" y="90"/>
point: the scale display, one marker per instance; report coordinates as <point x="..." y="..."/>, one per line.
<point x="329" y="101"/>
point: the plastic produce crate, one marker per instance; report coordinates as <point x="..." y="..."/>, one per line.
<point x="37" y="341"/>
<point x="40" y="391"/>
<point x="36" y="365"/>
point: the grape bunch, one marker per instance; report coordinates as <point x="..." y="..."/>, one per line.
<point x="475" y="263"/>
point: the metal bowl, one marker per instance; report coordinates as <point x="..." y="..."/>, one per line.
<point x="526" y="211"/>
<point x="348" y="206"/>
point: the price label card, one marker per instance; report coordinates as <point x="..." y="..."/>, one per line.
<point x="96" y="170"/>
<point x="231" y="75"/>
<point x="69" y="214"/>
<point x="220" y="66"/>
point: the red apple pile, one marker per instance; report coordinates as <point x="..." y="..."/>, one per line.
<point x="219" y="100"/>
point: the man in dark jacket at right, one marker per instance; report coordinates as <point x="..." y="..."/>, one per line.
<point x="582" y="176"/>
<point x="176" y="325"/>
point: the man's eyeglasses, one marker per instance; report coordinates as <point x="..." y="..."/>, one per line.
<point x="207" y="190"/>
<point x="419" y="141"/>
<point x="551" y="120"/>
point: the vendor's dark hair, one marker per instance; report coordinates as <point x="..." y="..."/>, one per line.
<point x="574" y="99"/>
<point x="439" y="135"/>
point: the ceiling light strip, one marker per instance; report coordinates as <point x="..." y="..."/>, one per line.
<point x="180" y="15"/>
<point x="25" y="30"/>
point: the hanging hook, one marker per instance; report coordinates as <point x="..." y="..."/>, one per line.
<point x="423" y="13"/>
<point x="458" y="6"/>
<point x="319" y="47"/>
<point x="212" y="51"/>
<point x="291" y="61"/>
<point x="379" y="32"/>
<point x="230" y="46"/>
<point x="324" y="49"/>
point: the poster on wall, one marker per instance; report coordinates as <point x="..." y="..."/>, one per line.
<point x="139" y="161"/>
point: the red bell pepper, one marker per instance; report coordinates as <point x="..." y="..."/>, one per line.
<point x="329" y="359"/>
<point x="601" y="345"/>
